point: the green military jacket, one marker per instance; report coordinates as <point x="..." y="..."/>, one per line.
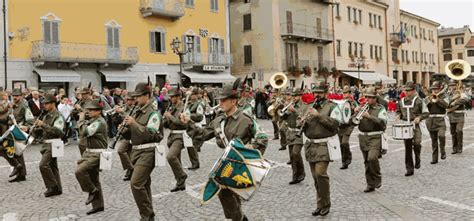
<point x="292" y="121"/>
<point x="23" y="115"/>
<point x="435" y="123"/>
<point x="238" y="125"/>
<point x="247" y="105"/>
<point x="53" y="126"/>
<point x="324" y="125"/>
<point x="416" y="107"/>
<point x="94" y="132"/>
<point x="377" y="121"/>
<point x="457" y="116"/>
<point x="174" y="123"/>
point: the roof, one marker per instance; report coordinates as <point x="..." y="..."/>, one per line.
<point x="470" y="43"/>
<point x="453" y="31"/>
<point x="403" y="12"/>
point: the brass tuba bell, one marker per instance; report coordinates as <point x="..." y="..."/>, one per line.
<point x="458" y="69"/>
<point x="278" y="80"/>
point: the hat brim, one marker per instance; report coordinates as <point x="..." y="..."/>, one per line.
<point x="138" y="94"/>
<point x="370" y="95"/>
<point x="319" y="91"/>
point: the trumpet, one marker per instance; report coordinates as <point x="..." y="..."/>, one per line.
<point x="358" y="117"/>
<point x="434" y="97"/>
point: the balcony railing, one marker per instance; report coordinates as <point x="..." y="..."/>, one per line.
<point x="208" y="59"/>
<point x="395" y="39"/>
<point x="306" y="32"/>
<point x="314" y="65"/>
<point x="447" y="48"/>
<point x="83" y="53"/>
<point x="167" y="8"/>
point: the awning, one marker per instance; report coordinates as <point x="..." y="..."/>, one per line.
<point x="58" y="75"/>
<point x="371" y="77"/>
<point x="202" y="77"/>
<point x="118" y="75"/>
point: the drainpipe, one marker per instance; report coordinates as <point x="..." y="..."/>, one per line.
<point x="333" y="37"/>
<point x="387" y="42"/>
<point x="5" y="42"/>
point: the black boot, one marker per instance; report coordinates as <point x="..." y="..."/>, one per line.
<point x="54" y="191"/>
<point x="92" y="195"/>
<point x="128" y="175"/>
<point x="16" y="170"/>
<point x="18" y="179"/>
<point x="95" y="210"/>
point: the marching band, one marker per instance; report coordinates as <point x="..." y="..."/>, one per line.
<point x="303" y="121"/>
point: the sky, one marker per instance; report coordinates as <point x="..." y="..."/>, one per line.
<point x="449" y="13"/>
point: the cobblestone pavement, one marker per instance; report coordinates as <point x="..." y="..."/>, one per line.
<point x="436" y="192"/>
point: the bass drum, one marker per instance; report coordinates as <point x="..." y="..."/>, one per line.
<point x="345" y="110"/>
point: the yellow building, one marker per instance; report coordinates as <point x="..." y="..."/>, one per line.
<point x="64" y="44"/>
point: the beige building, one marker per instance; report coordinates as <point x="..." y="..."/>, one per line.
<point x="469" y="54"/>
<point x="452" y="45"/>
<point x="290" y="36"/>
<point x="361" y="41"/>
<point x="414" y="51"/>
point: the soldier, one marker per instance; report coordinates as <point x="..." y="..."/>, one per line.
<point x="78" y="108"/>
<point x="345" y="131"/>
<point x="145" y="131"/>
<point x="282" y="121"/>
<point x="247" y="103"/>
<point x="275" y="117"/>
<point x="94" y="131"/>
<point x="437" y="104"/>
<point x="418" y="112"/>
<point x="124" y="148"/>
<point x="50" y="126"/>
<point x="294" y="139"/>
<point x="195" y="110"/>
<point x="382" y="96"/>
<point x="175" y="138"/>
<point x="318" y="127"/>
<point x="456" y="111"/>
<point x="372" y="126"/>
<point x="5" y="121"/>
<point x="236" y="124"/>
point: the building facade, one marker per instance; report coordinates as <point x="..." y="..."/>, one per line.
<point x="289" y="36"/>
<point x="469" y="54"/>
<point x="453" y="43"/>
<point x="116" y="43"/>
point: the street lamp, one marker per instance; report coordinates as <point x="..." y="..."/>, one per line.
<point x="175" y="45"/>
<point x="359" y="63"/>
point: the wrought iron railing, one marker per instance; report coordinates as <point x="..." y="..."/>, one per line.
<point x="208" y="58"/>
<point x="166" y="8"/>
<point x="306" y="31"/>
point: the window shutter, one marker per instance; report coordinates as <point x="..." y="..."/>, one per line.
<point x="183" y="42"/>
<point x="197" y="44"/>
<point x="216" y="5"/>
<point x="209" y="46"/>
<point x="222" y="47"/>
<point x="110" y="40"/>
<point x="47" y="32"/>
<point x="116" y="38"/>
<point x="163" y="41"/>
<point x="152" y="41"/>
<point x="55" y="32"/>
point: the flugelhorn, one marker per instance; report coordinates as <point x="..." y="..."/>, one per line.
<point x="358" y="117"/>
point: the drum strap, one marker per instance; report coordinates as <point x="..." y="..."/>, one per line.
<point x="221" y="132"/>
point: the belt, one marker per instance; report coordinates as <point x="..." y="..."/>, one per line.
<point x="294" y="129"/>
<point x="177" y="131"/>
<point x="143" y="146"/>
<point x="95" y="150"/>
<point x="50" y="140"/>
<point x="371" y="133"/>
<point x="460" y="111"/>
<point x="322" y="140"/>
<point x="437" y="115"/>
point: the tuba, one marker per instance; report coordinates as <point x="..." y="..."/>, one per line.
<point x="278" y="80"/>
<point x="457" y="70"/>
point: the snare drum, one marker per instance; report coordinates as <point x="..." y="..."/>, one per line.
<point x="345" y="110"/>
<point x="402" y="131"/>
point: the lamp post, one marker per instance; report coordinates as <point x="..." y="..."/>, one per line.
<point x="359" y="63"/>
<point x="175" y="45"/>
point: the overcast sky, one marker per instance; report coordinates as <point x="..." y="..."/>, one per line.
<point x="449" y="13"/>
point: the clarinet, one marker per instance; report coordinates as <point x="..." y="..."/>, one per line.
<point x="122" y="127"/>
<point x="34" y="125"/>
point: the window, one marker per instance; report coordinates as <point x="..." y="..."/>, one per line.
<point x="348" y="13"/>
<point x="403" y="55"/>
<point x="214" y="5"/>
<point x="361" y="50"/>
<point x="421" y="57"/>
<point x="337" y="11"/>
<point x="51" y="32"/>
<point x="459" y="40"/>
<point x="406" y="55"/>
<point x="247" y="22"/>
<point x="190" y="3"/>
<point x="446" y="43"/>
<point x="113" y="38"/>
<point x="291" y="54"/>
<point x="380" y="21"/>
<point x="360" y="16"/>
<point x="338" y="47"/>
<point x="158" y="41"/>
<point x="355" y="49"/>
<point x="376" y="52"/>
<point x="380" y="52"/>
<point x="370" y="19"/>
<point x="395" y="55"/>
<point x="375" y="20"/>
<point x="248" y="54"/>
<point x="459" y="55"/>
<point x="355" y="14"/>
<point x="413" y="56"/>
<point x="447" y="57"/>
<point x="350" y="48"/>
<point x="371" y="52"/>
<point x="470" y="53"/>
<point x="414" y="28"/>
<point x="246" y="1"/>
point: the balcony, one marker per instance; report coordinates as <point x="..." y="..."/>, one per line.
<point x="395" y="39"/>
<point x="83" y="53"/>
<point x="298" y="67"/>
<point x="199" y="59"/>
<point x="447" y="48"/>
<point x="173" y="9"/>
<point x="306" y="33"/>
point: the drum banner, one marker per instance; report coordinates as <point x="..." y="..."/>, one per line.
<point x="13" y="140"/>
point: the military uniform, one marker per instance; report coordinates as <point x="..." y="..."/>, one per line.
<point x="294" y="138"/>
<point x="275" y="118"/>
<point x="175" y="141"/>
<point x="196" y="112"/>
<point x="94" y="132"/>
<point x="416" y="109"/>
<point x="52" y="128"/>
<point x="75" y="114"/>
<point x="436" y="124"/>
<point x="124" y="148"/>
<point x="318" y="129"/>
<point x="144" y="134"/>
<point x="345" y="130"/>
<point x="5" y="122"/>
<point x="247" y="104"/>
<point x="456" y="114"/>
<point x="370" y="141"/>
<point x="283" y="124"/>
<point x="382" y="99"/>
<point x="237" y="125"/>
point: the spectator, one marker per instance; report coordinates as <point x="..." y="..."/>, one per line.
<point x="35" y="103"/>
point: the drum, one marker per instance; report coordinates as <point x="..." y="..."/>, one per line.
<point x="239" y="169"/>
<point x="402" y="131"/>
<point x="345" y="110"/>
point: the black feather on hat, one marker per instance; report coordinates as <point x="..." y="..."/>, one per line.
<point x="235" y="86"/>
<point x="302" y="85"/>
